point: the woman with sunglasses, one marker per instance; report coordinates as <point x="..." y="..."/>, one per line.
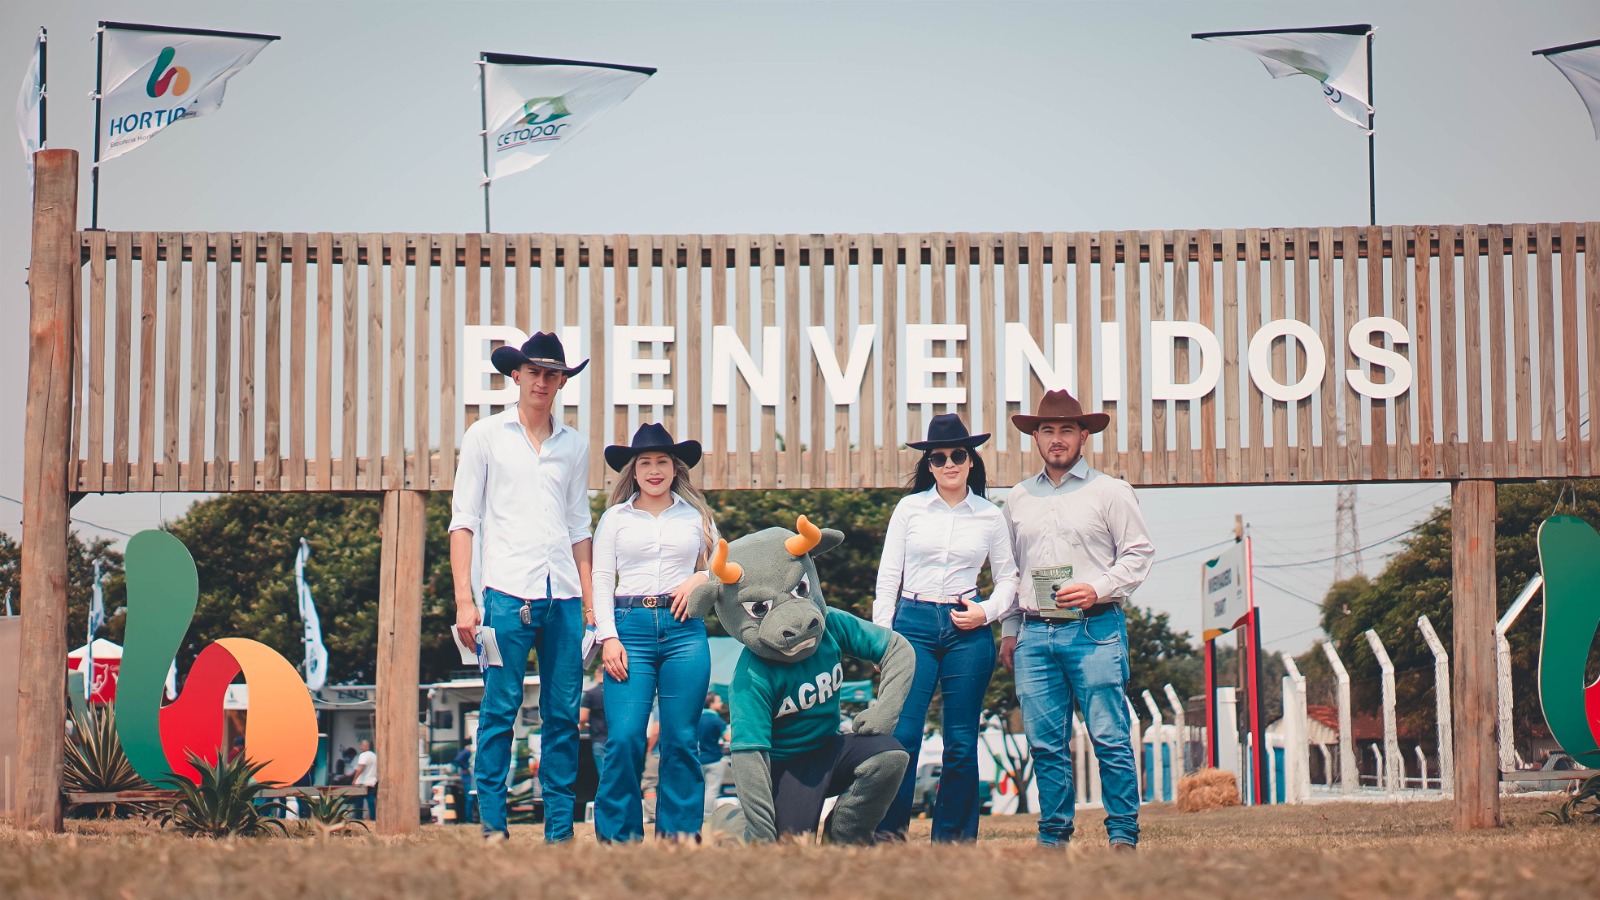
<point x="650" y="547"/>
<point x="941" y="534"/>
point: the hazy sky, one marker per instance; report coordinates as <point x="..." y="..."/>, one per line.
<point x="861" y="117"/>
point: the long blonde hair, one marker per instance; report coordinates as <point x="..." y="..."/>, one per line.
<point x="627" y="486"/>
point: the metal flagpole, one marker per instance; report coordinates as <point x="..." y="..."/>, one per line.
<point x="1372" y="153"/>
<point x="94" y="167"/>
<point x="483" y="96"/>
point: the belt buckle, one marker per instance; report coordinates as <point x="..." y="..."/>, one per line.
<point x="650" y="602"/>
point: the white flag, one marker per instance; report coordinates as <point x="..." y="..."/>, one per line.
<point x="97" y="605"/>
<point x="316" y="651"/>
<point x="534" y="106"/>
<point x="30" y="120"/>
<point x="1581" y="64"/>
<point x="172" y="681"/>
<point x="1336" y="57"/>
<point x="152" y="77"/>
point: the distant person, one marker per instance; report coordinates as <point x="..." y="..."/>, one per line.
<point x="592" y="719"/>
<point x="344" y="768"/>
<point x="366" y="776"/>
<point x="236" y="750"/>
<point x="469" y="797"/>
<point x="711" y="730"/>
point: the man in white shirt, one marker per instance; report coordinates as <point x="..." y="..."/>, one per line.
<point x="366" y="775"/>
<point x="1067" y="641"/>
<point x="522" y="490"/>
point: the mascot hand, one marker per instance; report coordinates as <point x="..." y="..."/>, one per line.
<point x="873" y="720"/>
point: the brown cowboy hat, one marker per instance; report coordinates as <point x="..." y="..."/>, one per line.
<point x="1060" y="406"/>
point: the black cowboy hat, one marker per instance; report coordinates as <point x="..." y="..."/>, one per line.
<point x="652" y="438"/>
<point x="947" y="430"/>
<point x="543" y="350"/>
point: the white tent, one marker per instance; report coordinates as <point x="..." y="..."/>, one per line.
<point x="103" y="649"/>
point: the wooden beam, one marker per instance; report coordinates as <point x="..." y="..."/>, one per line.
<point x="41" y="688"/>
<point x="1477" y="781"/>
<point x="399" y="659"/>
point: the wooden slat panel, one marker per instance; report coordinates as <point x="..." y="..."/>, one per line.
<point x="1158" y="472"/>
<point x="549" y="316"/>
<point x="172" y="366"/>
<point x="297" y="358"/>
<point x="741" y="469"/>
<point x="1133" y="364"/>
<point x="868" y="410"/>
<point x="1036" y="308"/>
<point x="843" y="470"/>
<point x="1379" y="457"/>
<point x="522" y="248"/>
<point x="767" y="472"/>
<point x="670" y="247"/>
<point x="719" y="313"/>
<point x="1230" y="355"/>
<point x="95" y="386"/>
<point x="1304" y="441"/>
<point x="644" y="310"/>
<point x="1522" y="351"/>
<point x="1449" y="362"/>
<point x="693" y="419"/>
<point x="348" y="451"/>
<point x="145" y="471"/>
<point x="1423" y="338"/>
<point x="1571" y="403"/>
<point x="889" y="316"/>
<point x="1012" y="274"/>
<point x="1500" y="430"/>
<point x="448" y="301"/>
<point x="1405" y="457"/>
<point x="217" y="479"/>
<point x="598" y="471"/>
<point x="375" y="393"/>
<point x="1476" y="461"/>
<point x="123" y="378"/>
<point x="1326" y="463"/>
<point x="1210" y="317"/>
<point x="1591" y="284"/>
<point x="248" y="398"/>
<point x="1256" y="457"/>
<point x="1084" y="322"/>
<point x="199" y="364"/>
<point x="938" y="309"/>
<point x="962" y="258"/>
<point x="1549" y="461"/>
<point x="497" y="307"/>
<point x="272" y="418"/>
<point x="793" y="456"/>
<point x="1354" y="462"/>
<point x="419" y="473"/>
<point x="394" y="380"/>
<point x="816" y="473"/>
<point x="1277" y="275"/>
<point x="472" y="304"/>
<point x="992" y="413"/>
<point x="1183" y="413"/>
<point x="572" y="300"/>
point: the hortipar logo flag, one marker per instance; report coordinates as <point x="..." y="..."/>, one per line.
<point x="533" y="106"/>
<point x="152" y="77"/>
<point x="1336" y="56"/>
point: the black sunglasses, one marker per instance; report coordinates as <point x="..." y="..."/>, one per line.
<point x="937" y="458"/>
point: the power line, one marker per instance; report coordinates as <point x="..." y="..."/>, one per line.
<point x="1281" y="589"/>
<point x="1186" y="553"/>
<point x="1312" y="562"/>
<point x="78" y="520"/>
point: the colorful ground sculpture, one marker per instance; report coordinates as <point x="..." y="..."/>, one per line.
<point x="281" y="731"/>
<point x="1569" y="555"/>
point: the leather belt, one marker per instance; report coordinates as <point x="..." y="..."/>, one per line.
<point x="1099" y="609"/>
<point x="648" y="601"/>
<point x="948" y="599"/>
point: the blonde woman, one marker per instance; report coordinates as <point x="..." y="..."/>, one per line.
<point x="650" y="547"/>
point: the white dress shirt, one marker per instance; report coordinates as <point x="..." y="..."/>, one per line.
<point x="1090" y="521"/>
<point x="935" y="548"/>
<point x="641" y="554"/>
<point x="526" y="507"/>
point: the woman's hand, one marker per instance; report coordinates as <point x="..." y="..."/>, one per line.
<point x="680" y="596"/>
<point x="588" y="617"/>
<point x="614" y="659"/>
<point x="969" y="616"/>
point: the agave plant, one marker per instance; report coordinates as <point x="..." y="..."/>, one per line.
<point x="331" y="813"/>
<point x="1584" y="803"/>
<point x="95" y="764"/>
<point x="226" y="801"/>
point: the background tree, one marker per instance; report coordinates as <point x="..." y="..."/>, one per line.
<point x="81" y="558"/>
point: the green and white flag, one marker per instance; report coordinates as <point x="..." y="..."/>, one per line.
<point x="153" y="76"/>
<point x="1336" y="56"/>
<point x="30" y="105"/>
<point x="533" y="106"/>
<point x="1581" y="64"/>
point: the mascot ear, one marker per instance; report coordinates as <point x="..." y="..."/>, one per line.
<point x="831" y="538"/>
<point x="703" y="598"/>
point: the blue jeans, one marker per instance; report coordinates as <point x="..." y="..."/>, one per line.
<point x="959" y="664"/>
<point x="672" y="660"/>
<point x="1081" y="663"/>
<point x="556" y="632"/>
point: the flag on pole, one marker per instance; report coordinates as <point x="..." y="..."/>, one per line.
<point x="1581" y="64"/>
<point x="153" y="76"/>
<point x="97" y="618"/>
<point x="1336" y="56"/>
<point x="533" y="106"/>
<point x="30" y="105"/>
<point x="316" y="651"/>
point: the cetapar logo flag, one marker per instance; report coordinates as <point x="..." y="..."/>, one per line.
<point x="534" y="106"/>
<point x="1335" y="56"/>
<point x="1581" y="64"/>
<point x="152" y="77"/>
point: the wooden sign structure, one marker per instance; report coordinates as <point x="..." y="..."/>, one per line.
<point x="264" y="361"/>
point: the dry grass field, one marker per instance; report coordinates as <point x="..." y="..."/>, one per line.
<point x="1324" y="850"/>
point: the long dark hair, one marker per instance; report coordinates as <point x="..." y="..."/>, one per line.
<point x="922" y="477"/>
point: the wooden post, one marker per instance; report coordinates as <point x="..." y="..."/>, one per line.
<point x="42" y="688"/>
<point x="1477" y="766"/>
<point x="399" y="659"/>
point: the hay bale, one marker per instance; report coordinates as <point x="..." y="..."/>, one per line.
<point x="1207" y="789"/>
